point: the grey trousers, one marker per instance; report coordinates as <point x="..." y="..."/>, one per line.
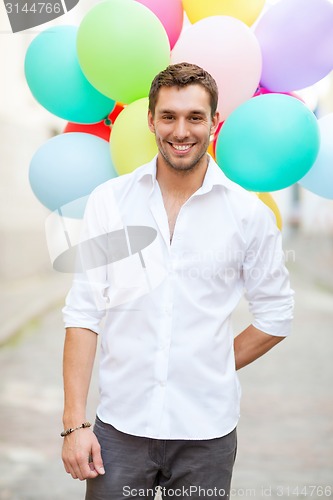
<point x="136" y="466"/>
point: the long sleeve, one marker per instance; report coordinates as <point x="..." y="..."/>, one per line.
<point x="86" y="301"/>
<point x="266" y="277"/>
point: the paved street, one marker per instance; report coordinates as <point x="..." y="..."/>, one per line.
<point x="285" y="433"/>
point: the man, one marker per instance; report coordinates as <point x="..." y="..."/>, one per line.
<point x="169" y="402"/>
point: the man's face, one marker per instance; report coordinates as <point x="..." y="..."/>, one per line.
<point x="182" y="125"/>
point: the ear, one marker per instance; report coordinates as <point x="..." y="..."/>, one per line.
<point x="215" y="122"/>
<point x="151" y="122"/>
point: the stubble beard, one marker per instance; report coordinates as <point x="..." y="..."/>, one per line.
<point x="185" y="168"/>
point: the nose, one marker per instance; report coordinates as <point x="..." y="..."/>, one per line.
<point x="181" y="130"/>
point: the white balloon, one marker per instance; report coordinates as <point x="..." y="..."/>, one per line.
<point x="228" y="49"/>
<point x="319" y="179"/>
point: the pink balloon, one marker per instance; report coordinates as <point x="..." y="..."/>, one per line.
<point x="296" y="39"/>
<point x="226" y="48"/>
<point x="262" y="90"/>
<point x="170" y="13"/>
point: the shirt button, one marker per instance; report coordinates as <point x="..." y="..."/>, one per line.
<point x="162" y="383"/>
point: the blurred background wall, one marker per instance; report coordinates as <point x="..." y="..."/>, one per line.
<point x="24" y="126"/>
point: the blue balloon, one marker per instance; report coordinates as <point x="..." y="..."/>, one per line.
<point x="56" y="80"/>
<point x="268" y="143"/>
<point x="319" y="179"/>
<point x="67" y="168"/>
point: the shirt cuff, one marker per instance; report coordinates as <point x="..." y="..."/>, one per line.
<point x="79" y="319"/>
<point x="281" y="328"/>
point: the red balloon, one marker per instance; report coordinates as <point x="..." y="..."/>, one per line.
<point x="216" y="134"/>
<point x="115" y="112"/>
<point x="100" y="129"/>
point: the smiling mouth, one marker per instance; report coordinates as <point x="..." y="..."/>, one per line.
<point x="181" y="147"/>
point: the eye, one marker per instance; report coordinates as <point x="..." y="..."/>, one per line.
<point x="195" y="118"/>
<point x="167" y="117"/>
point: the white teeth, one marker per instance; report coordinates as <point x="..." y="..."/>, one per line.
<point x="182" y="147"/>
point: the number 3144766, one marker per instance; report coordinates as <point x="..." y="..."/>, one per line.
<point x="35" y="8"/>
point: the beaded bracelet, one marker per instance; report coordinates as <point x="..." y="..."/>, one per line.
<point x="70" y="430"/>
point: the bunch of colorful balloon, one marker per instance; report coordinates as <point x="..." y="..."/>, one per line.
<point x="267" y="142"/>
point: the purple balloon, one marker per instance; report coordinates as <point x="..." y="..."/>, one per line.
<point x="296" y="40"/>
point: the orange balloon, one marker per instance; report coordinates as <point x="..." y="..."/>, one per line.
<point x="210" y="150"/>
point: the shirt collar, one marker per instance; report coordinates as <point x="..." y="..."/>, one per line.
<point x="214" y="175"/>
<point x="148" y="170"/>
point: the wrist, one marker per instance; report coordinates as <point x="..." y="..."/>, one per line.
<point x="73" y="419"/>
<point x="69" y="430"/>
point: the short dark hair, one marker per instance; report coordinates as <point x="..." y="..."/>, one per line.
<point x="181" y="75"/>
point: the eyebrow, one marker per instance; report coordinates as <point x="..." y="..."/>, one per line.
<point x="191" y="112"/>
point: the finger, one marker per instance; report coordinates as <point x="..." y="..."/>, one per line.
<point x="75" y="471"/>
<point x="97" y="459"/>
<point x="87" y="469"/>
<point x="69" y="469"/>
<point x="76" y="466"/>
<point x="71" y="472"/>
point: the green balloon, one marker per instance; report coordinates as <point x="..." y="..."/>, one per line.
<point x="56" y="80"/>
<point x="121" y="46"/>
<point x="268" y="143"/>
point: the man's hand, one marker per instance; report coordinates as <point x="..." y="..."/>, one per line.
<point x="81" y="454"/>
<point x="252" y="343"/>
<point x="81" y="451"/>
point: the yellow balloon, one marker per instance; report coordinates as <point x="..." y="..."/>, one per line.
<point x="131" y="143"/>
<point x="245" y="10"/>
<point x="270" y="202"/>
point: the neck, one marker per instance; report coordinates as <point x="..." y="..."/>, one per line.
<point x="184" y="182"/>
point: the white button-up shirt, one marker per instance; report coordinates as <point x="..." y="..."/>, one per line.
<point x="167" y="367"/>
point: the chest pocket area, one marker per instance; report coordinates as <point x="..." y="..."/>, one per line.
<point x="128" y="273"/>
